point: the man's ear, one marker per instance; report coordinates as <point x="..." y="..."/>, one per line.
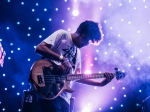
<point x="83" y="35"/>
<point x="78" y="32"/>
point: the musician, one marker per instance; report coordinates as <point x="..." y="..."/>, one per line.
<point x="63" y="49"/>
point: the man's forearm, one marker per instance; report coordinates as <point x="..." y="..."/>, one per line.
<point x="93" y="82"/>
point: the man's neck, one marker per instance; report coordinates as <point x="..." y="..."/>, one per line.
<point x="73" y="38"/>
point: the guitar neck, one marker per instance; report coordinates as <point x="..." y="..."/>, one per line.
<point x="86" y="76"/>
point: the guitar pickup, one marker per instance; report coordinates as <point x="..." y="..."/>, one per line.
<point x="40" y="79"/>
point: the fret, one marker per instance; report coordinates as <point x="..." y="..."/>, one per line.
<point x="85" y="76"/>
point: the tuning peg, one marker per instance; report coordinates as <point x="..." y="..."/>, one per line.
<point x="116" y="69"/>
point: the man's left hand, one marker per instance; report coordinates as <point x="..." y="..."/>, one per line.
<point x="109" y="76"/>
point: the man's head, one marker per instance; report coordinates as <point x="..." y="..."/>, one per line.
<point x="90" y="31"/>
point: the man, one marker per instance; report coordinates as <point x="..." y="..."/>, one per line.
<point x="63" y="49"/>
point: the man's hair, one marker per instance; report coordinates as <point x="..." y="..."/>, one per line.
<point x="92" y="30"/>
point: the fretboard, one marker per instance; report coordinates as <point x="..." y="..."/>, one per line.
<point x="86" y="76"/>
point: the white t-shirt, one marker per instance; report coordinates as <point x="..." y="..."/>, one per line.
<point x="62" y="44"/>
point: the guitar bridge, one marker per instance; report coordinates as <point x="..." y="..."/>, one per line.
<point x="40" y="79"/>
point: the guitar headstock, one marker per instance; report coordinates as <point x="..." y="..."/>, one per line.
<point x="119" y="74"/>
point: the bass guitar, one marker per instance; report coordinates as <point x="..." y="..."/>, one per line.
<point x="49" y="81"/>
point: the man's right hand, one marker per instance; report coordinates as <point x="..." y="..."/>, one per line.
<point x="67" y="68"/>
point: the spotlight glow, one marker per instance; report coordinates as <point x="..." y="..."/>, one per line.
<point x="75" y="12"/>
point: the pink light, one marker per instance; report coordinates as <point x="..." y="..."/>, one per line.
<point x="88" y="72"/>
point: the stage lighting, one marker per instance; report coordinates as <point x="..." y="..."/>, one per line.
<point x="37" y="4"/>
<point x="75" y="12"/>
<point x="22" y="3"/>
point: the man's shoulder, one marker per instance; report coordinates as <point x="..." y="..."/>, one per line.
<point x="62" y="31"/>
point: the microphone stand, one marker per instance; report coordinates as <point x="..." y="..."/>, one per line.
<point x="143" y="104"/>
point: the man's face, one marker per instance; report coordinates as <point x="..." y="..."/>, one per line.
<point x="82" y="41"/>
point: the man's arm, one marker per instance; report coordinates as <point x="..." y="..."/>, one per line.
<point x="91" y="82"/>
<point x="44" y="50"/>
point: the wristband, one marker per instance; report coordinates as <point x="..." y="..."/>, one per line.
<point x="61" y="57"/>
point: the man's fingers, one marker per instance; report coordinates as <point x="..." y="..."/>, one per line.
<point x="109" y="76"/>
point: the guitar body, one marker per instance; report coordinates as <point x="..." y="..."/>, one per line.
<point x="48" y="79"/>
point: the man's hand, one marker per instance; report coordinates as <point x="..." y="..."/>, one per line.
<point x="67" y="68"/>
<point x="109" y="76"/>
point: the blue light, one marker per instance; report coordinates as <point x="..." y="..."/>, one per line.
<point x="137" y="104"/>
<point x="28" y="59"/>
<point x="40" y="36"/>
<point x="115" y="99"/>
<point x="11" y="44"/>
<point x="62" y="21"/>
<point x="9" y="58"/>
<point x="8" y="0"/>
<point x="22" y="3"/>
<point x="34" y="46"/>
<point x="28" y="34"/>
<point x="45" y="9"/>
<point x="56" y="9"/>
<point x="13" y="86"/>
<point x="7" y="28"/>
<point x="18" y="23"/>
<point x="3" y="109"/>
<point x="50" y="19"/>
<point x="12" y="51"/>
<point x="140" y="91"/>
<point x="29" y="28"/>
<point x="43" y="28"/>
<point x="22" y="83"/>
<point x="111" y="107"/>
<point x="19" y="110"/>
<point x="121" y="105"/>
<point x="5" y="89"/>
<point x="33" y="10"/>
<point x="124" y="95"/>
<point x="18" y="93"/>
<point x="18" y="49"/>
<point x="37" y="19"/>
<point x="4" y="75"/>
<point x="37" y="4"/>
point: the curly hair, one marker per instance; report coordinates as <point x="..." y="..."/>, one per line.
<point x="92" y="30"/>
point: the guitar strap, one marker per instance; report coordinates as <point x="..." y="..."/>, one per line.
<point x="75" y="57"/>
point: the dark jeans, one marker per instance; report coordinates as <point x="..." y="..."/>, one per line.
<point x="56" y="105"/>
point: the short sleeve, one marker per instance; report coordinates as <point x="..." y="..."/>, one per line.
<point x="54" y="37"/>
